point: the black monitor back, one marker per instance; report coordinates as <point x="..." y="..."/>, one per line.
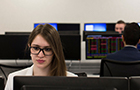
<point x="75" y="83"/>
<point x="114" y="68"/>
<point x="42" y="87"/>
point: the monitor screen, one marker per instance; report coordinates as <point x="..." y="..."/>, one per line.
<point x="97" y="27"/>
<point x="71" y="83"/>
<point x="68" y="26"/>
<point x="53" y="24"/>
<point x="99" y="45"/>
<point x="139" y="23"/>
<point x="110" y="26"/>
<point x="71" y="46"/>
<point x="13" y="47"/>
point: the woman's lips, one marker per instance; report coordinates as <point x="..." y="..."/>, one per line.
<point x="40" y="61"/>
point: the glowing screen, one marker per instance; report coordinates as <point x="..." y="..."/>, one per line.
<point x="98" y="46"/>
<point x="53" y="24"/>
<point x="97" y="27"/>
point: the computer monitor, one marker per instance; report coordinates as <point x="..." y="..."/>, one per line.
<point x="64" y="28"/>
<point x="134" y="83"/>
<point x="95" y="27"/>
<point x="17" y="33"/>
<point x="139" y="23"/>
<point x="110" y="26"/>
<point x="13" y="47"/>
<point x="71" y="46"/>
<point x="72" y="83"/>
<point x="53" y="24"/>
<point x="68" y="28"/>
<point x="98" y="45"/>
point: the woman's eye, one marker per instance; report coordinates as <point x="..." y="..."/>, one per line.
<point x="36" y="48"/>
<point x="48" y="49"/>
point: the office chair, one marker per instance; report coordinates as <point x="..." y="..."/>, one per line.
<point x="12" y="67"/>
<point x="134" y="83"/>
<point x="119" y="68"/>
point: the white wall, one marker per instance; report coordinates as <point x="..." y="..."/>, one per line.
<point x="19" y="15"/>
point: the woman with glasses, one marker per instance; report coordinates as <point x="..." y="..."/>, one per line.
<point x="46" y="53"/>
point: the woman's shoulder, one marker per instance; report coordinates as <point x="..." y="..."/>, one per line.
<point x="70" y="74"/>
<point x="19" y="72"/>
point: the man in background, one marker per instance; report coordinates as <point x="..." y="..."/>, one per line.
<point x="119" y="27"/>
<point x="130" y="38"/>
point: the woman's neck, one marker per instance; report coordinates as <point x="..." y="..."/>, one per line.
<point x="40" y="71"/>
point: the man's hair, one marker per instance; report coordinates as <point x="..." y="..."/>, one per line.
<point x="120" y="22"/>
<point x="131" y="34"/>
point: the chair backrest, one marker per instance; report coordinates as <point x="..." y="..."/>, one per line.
<point x="134" y="83"/>
<point x="119" y="68"/>
<point x="7" y="69"/>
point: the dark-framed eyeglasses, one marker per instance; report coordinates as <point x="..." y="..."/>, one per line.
<point x="36" y="50"/>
